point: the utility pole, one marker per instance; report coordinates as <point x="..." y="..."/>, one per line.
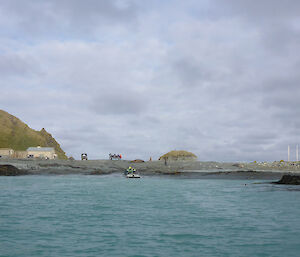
<point x="297" y="153"/>
<point x="288" y="153"/>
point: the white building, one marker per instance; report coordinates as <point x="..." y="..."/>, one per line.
<point x="41" y="152"/>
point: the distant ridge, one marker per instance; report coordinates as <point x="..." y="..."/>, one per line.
<point x="17" y="135"/>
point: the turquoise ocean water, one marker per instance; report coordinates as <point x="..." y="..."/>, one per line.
<point x="154" y="216"/>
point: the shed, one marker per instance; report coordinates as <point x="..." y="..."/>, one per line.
<point x="6" y="152"/>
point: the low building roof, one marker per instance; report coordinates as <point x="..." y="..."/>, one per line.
<point x="41" y="149"/>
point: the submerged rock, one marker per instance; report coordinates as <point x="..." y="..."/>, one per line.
<point x="10" y="170"/>
<point x="289" y="180"/>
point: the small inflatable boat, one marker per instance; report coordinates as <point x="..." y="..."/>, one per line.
<point x="133" y="175"/>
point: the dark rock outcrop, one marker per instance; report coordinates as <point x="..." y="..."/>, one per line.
<point x="10" y="170"/>
<point x="289" y="180"/>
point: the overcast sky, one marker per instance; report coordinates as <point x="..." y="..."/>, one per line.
<point x="219" y="78"/>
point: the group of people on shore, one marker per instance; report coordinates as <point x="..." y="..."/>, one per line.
<point x="115" y="156"/>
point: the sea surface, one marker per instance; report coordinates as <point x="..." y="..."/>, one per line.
<point x="77" y="215"/>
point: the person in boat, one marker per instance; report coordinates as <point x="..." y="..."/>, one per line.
<point x="129" y="170"/>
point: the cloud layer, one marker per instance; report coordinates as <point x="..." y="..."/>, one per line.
<point x="218" y="79"/>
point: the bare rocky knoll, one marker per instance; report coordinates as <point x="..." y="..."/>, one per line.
<point x="180" y="169"/>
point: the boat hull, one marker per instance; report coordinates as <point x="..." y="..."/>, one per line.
<point x="133" y="176"/>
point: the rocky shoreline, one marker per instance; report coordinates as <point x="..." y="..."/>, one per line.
<point x="180" y="169"/>
<point x="10" y="170"/>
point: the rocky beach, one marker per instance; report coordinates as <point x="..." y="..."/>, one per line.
<point x="180" y="169"/>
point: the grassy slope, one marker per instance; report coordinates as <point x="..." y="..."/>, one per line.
<point x="17" y="135"/>
<point x="176" y="154"/>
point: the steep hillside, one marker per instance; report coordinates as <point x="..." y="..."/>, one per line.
<point x="17" y="135"/>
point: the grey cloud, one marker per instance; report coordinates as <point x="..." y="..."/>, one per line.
<point x="65" y="17"/>
<point x="282" y="94"/>
<point x="262" y="10"/>
<point x="274" y="19"/>
<point x="118" y="102"/>
<point x="15" y="65"/>
<point x="258" y="138"/>
<point x="281" y="38"/>
<point x="191" y="72"/>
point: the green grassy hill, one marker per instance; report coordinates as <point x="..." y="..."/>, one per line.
<point x="17" y="135"/>
<point x="178" y="155"/>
